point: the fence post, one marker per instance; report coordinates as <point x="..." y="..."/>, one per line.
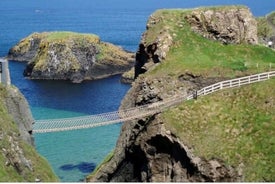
<point x="195" y="95"/>
<point x="1" y="71"/>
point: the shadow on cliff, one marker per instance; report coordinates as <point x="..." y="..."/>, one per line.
<point x="84" y="167"/>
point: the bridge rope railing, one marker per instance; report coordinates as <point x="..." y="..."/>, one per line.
<point x="74" y="123"/>
<point x="52" y="125"/>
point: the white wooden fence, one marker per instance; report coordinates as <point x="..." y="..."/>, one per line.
<point x="233" y="83"/>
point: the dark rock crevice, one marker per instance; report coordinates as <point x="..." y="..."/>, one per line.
<point x="28" y="70"/>
<point x="143" y="56"/>
<point x="163" y="145"/>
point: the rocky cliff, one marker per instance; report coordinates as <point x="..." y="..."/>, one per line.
<point x="182" y="59"/>
<point x="19" y="160"/>
<point x="70" y="56"/>
<point x="232" y="25"/>
<point x="19" y="109"/>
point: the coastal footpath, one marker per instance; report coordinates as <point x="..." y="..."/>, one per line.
<point x="19" y="160"/>
<point x="224" y="137"/>
<point x="70" y="56"/>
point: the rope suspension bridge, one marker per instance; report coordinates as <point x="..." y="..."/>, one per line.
<point x="82" y="122"/>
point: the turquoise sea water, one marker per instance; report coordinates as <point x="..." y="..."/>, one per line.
<point x="74" y="154"/>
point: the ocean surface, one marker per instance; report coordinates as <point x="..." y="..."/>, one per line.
<point x="74" y="154"/>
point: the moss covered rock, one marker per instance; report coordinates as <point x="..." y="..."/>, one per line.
<point x="70" y="56"/>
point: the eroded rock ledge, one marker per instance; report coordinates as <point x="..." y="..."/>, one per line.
<point x="70" y="56"/>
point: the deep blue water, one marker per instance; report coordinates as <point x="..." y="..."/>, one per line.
<point x="74" y="154"/>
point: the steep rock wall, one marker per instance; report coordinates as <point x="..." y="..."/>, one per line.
<point x="18" y="108"/>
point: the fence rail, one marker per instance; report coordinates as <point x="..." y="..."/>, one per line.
<point x="235" y="83"/>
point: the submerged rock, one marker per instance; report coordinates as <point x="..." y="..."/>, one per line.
<point x="70" y="56"/>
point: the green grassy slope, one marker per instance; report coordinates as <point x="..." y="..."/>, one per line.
<point x="194" y="53"/>
<point x="235" y="125"/>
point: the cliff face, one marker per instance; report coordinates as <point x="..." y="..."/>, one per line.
<point x="19" y="160"/>
<point x="70" y="56"/>
<point x="181" y="61"/>
<point x="18" y="108"/>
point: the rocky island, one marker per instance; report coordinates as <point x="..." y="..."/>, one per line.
<point x="70" y="56"/>
<point x="227" y="136"/>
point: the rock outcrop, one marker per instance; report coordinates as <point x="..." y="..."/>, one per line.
<point x="233" y="25"/>
<point x="70" y="56"/>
